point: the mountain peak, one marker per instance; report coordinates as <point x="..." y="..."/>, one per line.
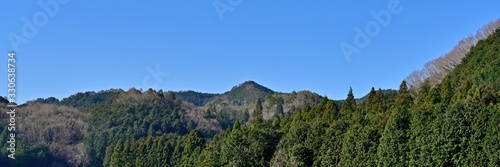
<point x="251" y="86"/>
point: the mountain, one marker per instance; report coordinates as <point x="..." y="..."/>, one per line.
<point x="386" y="92"/>
<point x="197" y="98"/>
<point x="90" y="98"/>
<point x="248" y="91"/>
<point x="97" y="120"/>
<point x="453" y="122"/>
<point x="239" y="103"/>
<point x="450" y="123"/>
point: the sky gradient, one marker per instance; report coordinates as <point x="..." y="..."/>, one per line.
<point x="185" y="45"/>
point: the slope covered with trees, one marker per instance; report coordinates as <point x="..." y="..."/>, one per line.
<point x="452" y="121"/>
<point x="46" y="133"/>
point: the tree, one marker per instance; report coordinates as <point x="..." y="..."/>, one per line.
<point x="258" y="115"/>
<point x="107" y="158"/>
<point x="117" y="159"/>
<point x="349" y="103"/>
<point x="393" y="148"/>
<point x="279" y="110"/>
<point x="192" y="149"/>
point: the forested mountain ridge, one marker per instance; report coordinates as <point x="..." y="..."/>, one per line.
<point x="107" y="116"/>
<point x="453" y="122"/>
<point x="81" y="100"/>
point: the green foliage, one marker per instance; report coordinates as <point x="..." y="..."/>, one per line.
<point x="198" y="99"/>
<point x="50" y="100"/>
<point x="158" y="151"/>
<point x="349" y="103"/>
<point x="118" y="157"/>
<point x="258" y="116"/>
<point x="87" y="99"/>
<point x="134" y="115"/>
<point x="454" y="123"/>
<point x="393" y="147"/>
<point x="193" y="145"/>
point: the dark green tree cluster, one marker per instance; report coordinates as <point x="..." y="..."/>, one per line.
<point x="250" y="145"/>
<point x="454" y="123"/>
<point x="198" y="99"/>
<point x="133" y="115"/>
<point x="50" y="100"/>
<point x="88" y="99"/>
<point x="150" y="151"/>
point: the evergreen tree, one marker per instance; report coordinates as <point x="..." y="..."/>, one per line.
<point x="192" y="149"/>
<point x="258" y="115"/>
<point x="107" y="158"/>
<point x="141" y="159"/>
<point x="393" y="148"/>
<point x="117" y="159"/>
<point x="246" y="116"/>
<point x="209" y="156"/>
<point x="349" y="103"/>
<point x="279" y="110"/>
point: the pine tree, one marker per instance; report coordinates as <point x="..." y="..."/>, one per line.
<point x="258" y="115"/>
<point x="331" y="147"/>
<point x="143" y="152"/>
<point x="381" y="101"/>
<point x="233" y="146"/>
<point x="279" y="110"/>
<point x="393" y="147"/>
<point x="192" y="149"/>
<point x="246" y="116"/>
<point x="209" y="156"/>
<point x="236" y="125"/>
<point x="117" y="157"/>
<point x="349" y="103"/>
<point x="372" y="100"/>
<point x="131" y="153"/>
<point x="176" y="155"/>
<point x="107" y="158"/>
<point x="492" y="140"/>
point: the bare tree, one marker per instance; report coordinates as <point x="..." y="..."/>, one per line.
<point x="436" y="70"/>
<point x="60" y="128"/>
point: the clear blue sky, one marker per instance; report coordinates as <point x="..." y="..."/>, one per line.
<point x="292" y="45"/>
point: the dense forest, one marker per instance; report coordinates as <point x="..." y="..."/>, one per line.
<point x="450" y="121"/>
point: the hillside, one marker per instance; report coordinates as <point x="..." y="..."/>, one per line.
<point x="453" y="122"/>
<point x="136" y="115"/>
<point x="197" y="98"/>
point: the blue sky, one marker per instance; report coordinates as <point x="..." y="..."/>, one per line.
<point x="293" y="45"/>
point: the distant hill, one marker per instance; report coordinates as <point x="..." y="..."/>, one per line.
<point x="136" y="114"/>
<point x="384" y="91"/>
<point x="197" y="98"/>
<point x="239" y="103"/>
<point x="90" y="98"/>
<point x="389" y="93"/>
<point x="245" y="92"/>
<point x="453" y="122"/>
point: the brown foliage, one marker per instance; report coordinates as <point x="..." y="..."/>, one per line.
<point x="60" y="128"/>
